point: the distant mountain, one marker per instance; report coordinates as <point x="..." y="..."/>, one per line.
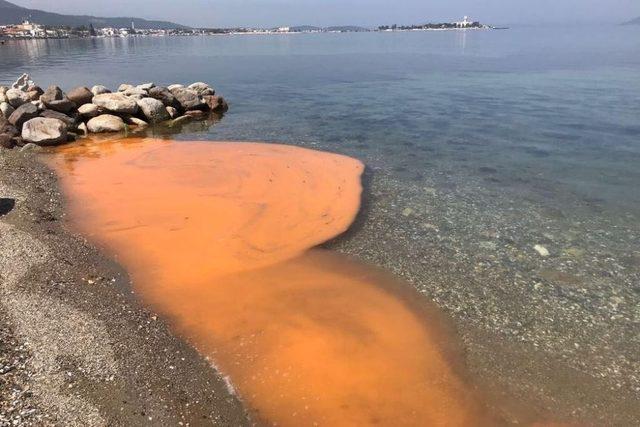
<point x="350" y="28"/>
<point x="633" y="22"/>
<point x="14" y="14"/>
<point x="301" y="28"/>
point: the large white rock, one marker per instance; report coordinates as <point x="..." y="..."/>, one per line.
<point x="116" y="102"/>
<point x="105" y="123"/>
<point x="16" y="97"/>
<point x="154" y="110"/>
<point x="99" y="90"/>
<point x="44" y="131"/>
<point x="89" y="110"/>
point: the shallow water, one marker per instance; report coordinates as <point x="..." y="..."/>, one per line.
<point x="216" y="236"/>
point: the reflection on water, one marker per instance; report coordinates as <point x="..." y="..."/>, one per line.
<point x="216" y="237"/>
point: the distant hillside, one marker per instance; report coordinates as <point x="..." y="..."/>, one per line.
<point x="301" y="28"/>
<point x="13" y="14"/>
<point x="633" y="22"/>
<point x="350" y="28"/>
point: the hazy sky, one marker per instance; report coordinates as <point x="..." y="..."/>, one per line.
<point x="358" y="12"/>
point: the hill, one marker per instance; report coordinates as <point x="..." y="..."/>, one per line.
<point x="14" y="14"/>
<point x="633" y="22"/>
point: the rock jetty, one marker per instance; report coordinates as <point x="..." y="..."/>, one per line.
<point x="29" y="114"/>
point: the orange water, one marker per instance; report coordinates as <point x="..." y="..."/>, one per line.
<point x="218" y="238"/>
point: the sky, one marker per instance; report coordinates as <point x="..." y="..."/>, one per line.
<point x="270" y="13"/>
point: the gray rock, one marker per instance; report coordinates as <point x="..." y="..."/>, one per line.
<point x="51" y="114"/>
<point x="146" y="86"/>
<point x="125" y="86"/>
<point x="99" y="90"/>
<point x="202" y="89"/>
<point x="175" y="86"/>
<point x="154" y="110"/>
<point x="23" y="83"/>
<point x="196" y="114"/>
<point x="216" y="103"/>
<point x="44" y="131"/>
<point x="136" y="93"/>
<point x="80" y="95"/>
<point x="89" y="110"/>
<point x="137" y="122"/>
<point x="6" y="109"/>
<point x="16" y="97"/>
<point x="34" y="93"/>
<point x="180" y="121"/>
<point x="106" y="123"/>
<point x="189" y="99"/>
<point x="163" y="94"/>
<point x="173" y="113"/>
<point x="116" y="103"/>
<point x="55" y="99"/>
<point x="23" y="114"/>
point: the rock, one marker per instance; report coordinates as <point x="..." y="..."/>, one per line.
<point x="154" y="110"/>
<point x="175" y="86"/>
<point x="23" y="83"/>
<point x="50" y="114"/>
<point x="39" y="105"/>
<point x="89" y="110"/>
<point x="180" y="121"/>
<point x="541" y="250"/>
<point x="136" y="93"/>
<point x="80" y="96"/>
<point x="163" y="94"/>
<point x="6" y="140"/>
<point x="8" y="128"/>
<point x="44" y="131"/>
<point x="23" y="114"/>
<point x="189" y="99"/>
<point x="82" y="129"/>
<point x="124" y="87"/>
<point x="173" y="113"/>
<point x="34" y="93"/>
<point x="6" y="109"/>
<point x="16" y="97"/>
<point x="137" y="122"/>
<point x="30" y="147"/>
<point x="55" y="99"/>
<point x="196" y="114"/>
<point x="146" y="86"/>
<point x="216" y="103"/>
<point x="116" y="103"/>
<point x="106" y="123"/>
<point x="202" y="89"/>
<point x="99" y="90"/>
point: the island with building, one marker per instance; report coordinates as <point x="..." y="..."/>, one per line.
<point x="466" y="24"/>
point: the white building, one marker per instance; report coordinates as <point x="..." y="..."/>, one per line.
<point x="464" y="23"/>
<point x="284" y="29"/>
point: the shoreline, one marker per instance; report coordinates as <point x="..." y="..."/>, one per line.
<point x="77" y="346"/>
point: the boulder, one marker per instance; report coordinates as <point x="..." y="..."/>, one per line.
<point x="50" y="114"/>
<point x="34" y="93"/>
<point x="125" y="86"/>
<point x="134" y="92"/>
<point x="202" y="89"/>
<point x="44" y="131"/>
<point x="175" y="86"/>
<point x="189" y="99"/>
<point x="116" y="103"/>
<point x="16" y="97"/>
<point x="173" y="113"/>
<point x="216" y="103"/>
<point x="99" y="90"/>
<point x="89" y="110"/>
<point x="179" y="121"/>
<point x="3" y="91"/>
<point x="137" y="122"/>
<point x="146" y="86"/>
<point x="106" y="123"/>
<point x="6" y="109"/>
<point x="163" y="94"/>
<point x="196" y="114"/>
<point x="23" y="83"/>
<point x="30" y="147"/>
<point x="55" y="99"/>
<point x="23" y="114"/>
<point x="6" y="140"/>
<point x="80" y="95"/>
<point x="154" y="110"/>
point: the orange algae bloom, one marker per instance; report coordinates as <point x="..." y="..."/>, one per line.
<point x="217" y="236"/>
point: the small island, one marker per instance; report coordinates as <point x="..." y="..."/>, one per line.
<point x="465" y="24"/>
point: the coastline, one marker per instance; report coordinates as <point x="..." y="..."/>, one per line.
<point x="77" y="348"/>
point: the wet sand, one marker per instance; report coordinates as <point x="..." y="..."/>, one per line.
<point x="306" y="337"/>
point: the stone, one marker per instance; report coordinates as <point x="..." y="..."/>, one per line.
<point x="175" y="86"/>
<point x="216" y="103"/>
<point x="82" y="129"/>
<point x="106" y="123"/>
<point x="51" y="114"/>
<point x="196" y="114"/>
<point x="80" y="96"/>
<point x="202" y="89"/>
<point x="146" y="86"/>
<point x="137" y="122"/>
<point x="173" y="113"/>
<point x="180" y="121"/>
<point x="99" y="90"/>
<point x="163" y="94"/>
<point x="189" y="99"/>
<point x="30" y="147"/>
<point x="23" y="114"/>
<point x="55" y="99"/>
<point x="6" y="140"/>
<point x="136" y="93"/>
<point x="6" y="109"/>
<point x="89" y="110"/>
<point x="23" y="83"/>
<point x="544" y="252"/>
<point x="116" y="103"/>
<point x="44" y="131"/>
<point x="8" y="128"/>
<point x="154" y="110"/>
<point x="16" y="97"/>
<point x="124" y="87"/>
<point x="34" y="93"/>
